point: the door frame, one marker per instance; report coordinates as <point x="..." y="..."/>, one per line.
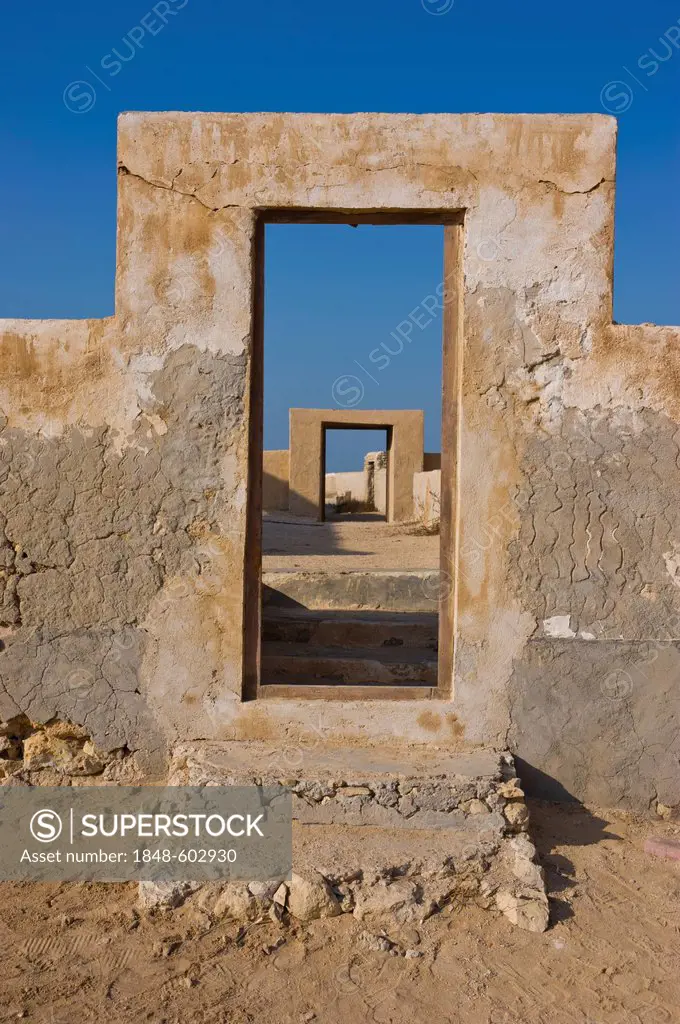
<point x="451" y="294"/>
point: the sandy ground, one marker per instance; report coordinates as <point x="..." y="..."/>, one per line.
<point x="79" y="953"/>
<point x="348" y="543"/>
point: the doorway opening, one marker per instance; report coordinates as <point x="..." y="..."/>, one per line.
<point x="354" y="475"/>
<point x="350" y="585"/>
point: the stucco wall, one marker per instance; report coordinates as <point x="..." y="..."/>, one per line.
<point x="427" y="490"/>
<point x="275" y="471"/>
<point x="124" y="443"/>
<point x="342" y="483"/>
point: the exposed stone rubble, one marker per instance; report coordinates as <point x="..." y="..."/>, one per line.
<point x="59" y="753"/>
<point x="389" y="841"/>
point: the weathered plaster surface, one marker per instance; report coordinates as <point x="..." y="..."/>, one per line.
<point x="124" y="449"/>
<point x="275" y="480"/>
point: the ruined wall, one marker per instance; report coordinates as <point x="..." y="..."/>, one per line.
<point x="595" y="695"/>
<point x="275" y="473"/>
<point x="427" y="489"/>
<point x="124" y="445"/>
<point x="352" y="483"/>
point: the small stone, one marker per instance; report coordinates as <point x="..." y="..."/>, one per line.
<point x="525" y="868"/>
<point x="666" y="848"/>
<point x="66" y="731"/>
<point x="86" y="765"/>
<point x="237" y="902"/>
<point x="348" y="791"/>
<point x="156" y="895"/>
<point x="10" y="748"/>
<point x="407" y="806"/>
<point x="376" y="943"/>
<point x="516" y="814"/>
<point x="528" y="912"/>
<point x="412" y="954"/>
<point x="281" y="895"/>
<point x="345" y="898"/>
<point x="478" y="807"/>
<point x="132" y="919"/>
<point x="310" y="897"/>
<point x="263" y="890"/>
<point x="495" y="801"/>
<point x="305" y="1018"/>
<point x="664" y="812"/>
<point x="511" y="790"/>
<point x="275" y="913"/>
<point x="398" y="900"/>
<point x="72" y="755"/>
<point x="40" y="753"/>
<point x="317" y="791"/>
<point x="12" y="778"/>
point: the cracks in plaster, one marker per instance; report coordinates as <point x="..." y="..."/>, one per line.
<point x="575" y="191"/>
<point x="122" y="169"/>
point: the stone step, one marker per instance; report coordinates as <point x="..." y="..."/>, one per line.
<point x="421" y="828"/>
<point x="395" y="787"/>
<point x="291" y="663"/>
<point x="412" y="590"/>
<point x="388" y="878"/>
<point x="344" y="629"/>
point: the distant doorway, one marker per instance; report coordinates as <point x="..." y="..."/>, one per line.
<point x="355" y="475"/>
<point x="403" y="429"/>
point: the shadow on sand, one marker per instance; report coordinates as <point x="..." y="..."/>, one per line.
<point x="558" y="819"/>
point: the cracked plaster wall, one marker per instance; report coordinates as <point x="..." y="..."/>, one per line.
<point x="123" y="452"/>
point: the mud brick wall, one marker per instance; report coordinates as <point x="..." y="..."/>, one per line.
<point x="124" y="454"/>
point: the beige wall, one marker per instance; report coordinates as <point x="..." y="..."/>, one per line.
<point x="368" y="486"/>
<point x="275" y="469"/>
<point x="380" y="490"/>
<point x="124" y="452"/>
<point x="427" y="497"/>
<point x="341" y="483"/>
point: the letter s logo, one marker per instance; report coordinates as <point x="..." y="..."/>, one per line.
<point x="616" y="97"/>
<point x="45" y="825"/>
<point x="347" y="391"/>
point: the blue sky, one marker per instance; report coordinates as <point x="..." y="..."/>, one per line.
<point x="57" y="174"/>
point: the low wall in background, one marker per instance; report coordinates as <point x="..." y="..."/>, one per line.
<point x="369" y="484"/>
<point x="343" y="484"/>
<point x="427" y="497"/>
<point x="275" y="471"/>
